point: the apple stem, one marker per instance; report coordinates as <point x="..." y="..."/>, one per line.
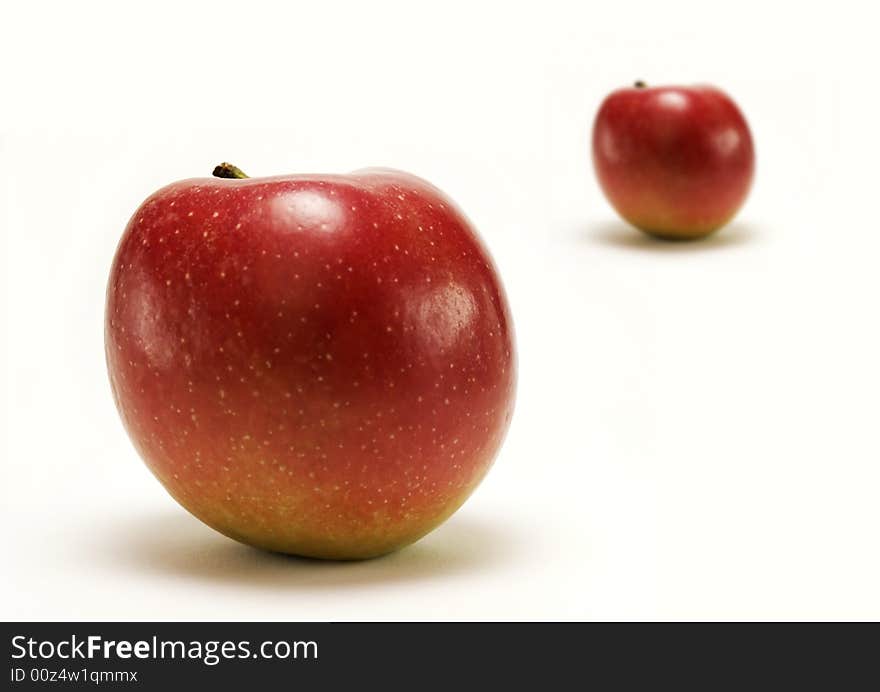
<point x="640" y="84"/>
<point x="227" y="170"/>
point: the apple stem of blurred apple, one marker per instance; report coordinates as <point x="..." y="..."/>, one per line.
<point x="227" y="170"/>
<point x="640" y="84"/>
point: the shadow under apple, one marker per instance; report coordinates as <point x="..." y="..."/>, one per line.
<point x="178" y="545"/>
<point x="621" y="235"/>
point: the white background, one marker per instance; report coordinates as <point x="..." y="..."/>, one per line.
<point x="696" y="433"/>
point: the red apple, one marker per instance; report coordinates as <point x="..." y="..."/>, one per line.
<point x="313" y="364"/>
<point x="676" y="162"/>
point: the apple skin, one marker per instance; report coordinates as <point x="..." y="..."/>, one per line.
<point x="320" y="365"/>
<point x="676" y="162"/>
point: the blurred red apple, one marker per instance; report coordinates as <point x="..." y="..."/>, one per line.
<point x="676" y="162"/>
<point x="313" y="364"/>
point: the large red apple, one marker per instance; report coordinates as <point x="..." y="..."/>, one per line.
<point x="314" y="364"/>
<point x="676" y="162"/>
